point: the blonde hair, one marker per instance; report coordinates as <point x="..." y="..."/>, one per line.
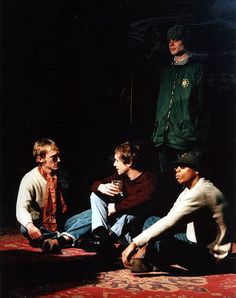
<point x="43" y="146"/>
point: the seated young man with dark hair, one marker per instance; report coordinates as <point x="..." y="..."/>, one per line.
<point x="120" y="213"/>
<point x="202" y="207"/>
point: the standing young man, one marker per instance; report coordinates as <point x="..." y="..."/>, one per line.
<point x="42" y="206"/>
<point x="118" y="213"/>
<point x="202" y="207"/>
<point x="181" y="117"/>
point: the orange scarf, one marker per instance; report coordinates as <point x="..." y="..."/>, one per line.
<point x="52" y="197"/>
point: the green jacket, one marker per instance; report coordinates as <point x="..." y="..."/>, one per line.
<point x="180" y="114"/>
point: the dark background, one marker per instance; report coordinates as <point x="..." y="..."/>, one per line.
<point x="84" y="73"/>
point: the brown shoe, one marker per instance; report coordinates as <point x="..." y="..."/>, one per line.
<point x="141" y="252"/>
<point x="51" y="246"/>
<point x="140" y="266"/>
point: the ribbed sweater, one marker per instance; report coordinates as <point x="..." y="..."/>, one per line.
<point x="30" y="196"/>
<point x="205" y="211"/>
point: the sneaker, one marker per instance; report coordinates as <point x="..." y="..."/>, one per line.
<point x="35" y="243"/>
<point x="87" y="245"/>
<point x="51" y="246"/>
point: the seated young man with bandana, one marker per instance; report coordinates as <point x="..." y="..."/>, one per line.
<point x="42" y="207"/>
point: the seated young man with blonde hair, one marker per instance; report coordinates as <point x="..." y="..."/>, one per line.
<point x="42" y="206"/>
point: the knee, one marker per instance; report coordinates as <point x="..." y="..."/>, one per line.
<point x="86" y="214"/>
<point x="150" y="221"/>
<point x="130" y="218"/>
<point x="93" y="197"/>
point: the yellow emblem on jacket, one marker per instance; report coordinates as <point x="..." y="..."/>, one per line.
<point x="185" y="83"/>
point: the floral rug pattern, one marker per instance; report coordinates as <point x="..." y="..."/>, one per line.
<point x="14" y="249"/>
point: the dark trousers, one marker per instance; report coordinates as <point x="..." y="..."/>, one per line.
<point x="175" y="248"/>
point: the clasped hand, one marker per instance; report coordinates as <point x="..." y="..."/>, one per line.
<point x="127" y="254"/>
<point x="109" y="189"/>
<point x="33" y="231"/>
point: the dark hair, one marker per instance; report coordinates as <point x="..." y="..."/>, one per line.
<point x="129" y="153"/>
<point x="180" y="32"/>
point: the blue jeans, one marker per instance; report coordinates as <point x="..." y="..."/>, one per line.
<point x="76" y="227"/>
<point x="124" y="225"/>
<point x="127" y="226"/>
<point x="175" y="248"/>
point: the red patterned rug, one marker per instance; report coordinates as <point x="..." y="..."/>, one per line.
<point x="27" y="272"/>
<point x="122" y="283"/>
<point x="13" y="245"/>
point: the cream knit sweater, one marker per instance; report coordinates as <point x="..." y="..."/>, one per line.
<point x="203" y="208"/>
<point x="30" y="197"/>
